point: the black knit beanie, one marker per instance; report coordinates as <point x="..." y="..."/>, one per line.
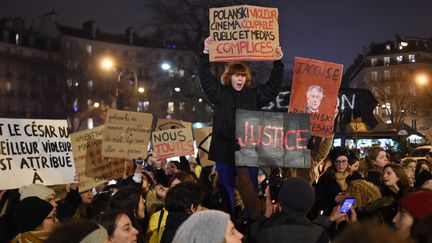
<point x="296" y="195"/>
<point x="336" y="152"/>
<point x="30" y="213"/>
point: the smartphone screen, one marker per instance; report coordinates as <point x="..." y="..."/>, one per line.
<point x="347" y="204"/>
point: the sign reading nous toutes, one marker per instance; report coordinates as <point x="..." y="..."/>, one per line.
<point x="35" y="151"/>
<point x="272" y="139"/>
<point x="173" y="142"/>
<point x="243" y="32"/>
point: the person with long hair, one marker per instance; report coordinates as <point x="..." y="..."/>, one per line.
<point x="120" y="227"/>
<point x="373" y="165"/>
<point x="395" y="185"/>
<point x="131" y="201"/>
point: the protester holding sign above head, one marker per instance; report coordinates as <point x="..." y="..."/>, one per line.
<point x="231" y="93"/>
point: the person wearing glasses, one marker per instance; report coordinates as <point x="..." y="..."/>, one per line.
<point x="314" y="96"/>
<point x="331" y="186"/>
<point x="35" y="220"/>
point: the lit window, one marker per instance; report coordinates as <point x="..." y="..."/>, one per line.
<point x="373" y="62"/>
<point x="69" y="82"/>
<point x="181" y="73"/>
<point x="411" y="58"/>
<point x="386" y="61"/>
<point x="386" y="74"/>
<point x="89" y="49"/>
<point x="90" y="84"/>
<point x="171" y="73"/>
<point x="170" y="108"/>
<point x="89" y="102"/>
<point x="374" y="76"/>
<point x="399" y="59"/>
<point x="146" y="105"/>
<point x="388" y="47"/>
<point x="17" y="39"/>
<point x="8" y="86"/>
<point x="90" y="123"/>
<point x="182" y="106"/>
<point x="209" y="109"/>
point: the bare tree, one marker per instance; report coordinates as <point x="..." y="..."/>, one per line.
<point x="397" y="94"/>
<point x="187" y="20"/>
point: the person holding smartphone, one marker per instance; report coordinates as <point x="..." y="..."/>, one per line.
<point x="331" y="186"/>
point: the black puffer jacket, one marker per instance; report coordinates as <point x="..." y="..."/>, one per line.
<point x="226" y="101"/>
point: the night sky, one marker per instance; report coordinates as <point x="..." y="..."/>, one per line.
<point x="333" y="31"/>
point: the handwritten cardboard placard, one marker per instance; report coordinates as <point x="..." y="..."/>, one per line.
<point x="203" y="139"/>
<point x="126" y="134"/>
<point x="315" y="90"/>
<point x="163" y="124"/>
<point x="35" y="151"/>
<point x="276" y="139"/>
<point x="243" y="32"/>
<point x="173" y="142"/>
<point x="93" y="168"/>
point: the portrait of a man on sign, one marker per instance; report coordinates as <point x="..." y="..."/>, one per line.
<point x="314" y="96"/>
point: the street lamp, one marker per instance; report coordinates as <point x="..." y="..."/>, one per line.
<point x="422" y="79"/>
<point x="165" y="66"/>
<point x="108" y="64"/>
<point x="141" y="90"/>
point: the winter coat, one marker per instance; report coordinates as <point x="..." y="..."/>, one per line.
<point x="173" y="222"/>
<point x="327" y="189"/>
<point x="226" y="101"/>
<point x="287" y="227"/>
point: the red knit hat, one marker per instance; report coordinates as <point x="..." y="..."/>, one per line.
<point x="419" y="204"/>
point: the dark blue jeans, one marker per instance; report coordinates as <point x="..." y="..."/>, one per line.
<point x="227" y="182"/>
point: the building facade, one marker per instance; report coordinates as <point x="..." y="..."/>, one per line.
<point x="398" y="73"/>
<point x="31" y="77"/>
<point x="71" y="82"/>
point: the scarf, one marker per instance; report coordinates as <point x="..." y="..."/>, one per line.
<point x="341" y="179"/>
<point x="31" y="237"/>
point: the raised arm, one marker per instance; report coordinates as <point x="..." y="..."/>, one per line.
<point x="268" y="91"/>
<point x="211" y="86"/>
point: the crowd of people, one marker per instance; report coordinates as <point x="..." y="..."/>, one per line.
<point x="180" y="201"/>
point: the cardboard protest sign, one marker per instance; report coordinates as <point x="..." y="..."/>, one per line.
<point x="276" y="139"/>
<point x="203" y="139"/>
<point x="163" y="124"/>
<point x="173" y="142"/>
<point x="35" y="151"/>
<point x="126" y="134"/>
<point x="243" y="32"/>
<point x="315" y="90"/>
<point x="91" y="166"/>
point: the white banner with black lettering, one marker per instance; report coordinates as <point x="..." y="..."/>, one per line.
<point x="35" y="151"/>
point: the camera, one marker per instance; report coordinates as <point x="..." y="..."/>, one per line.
<point x="275" y="183"/>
